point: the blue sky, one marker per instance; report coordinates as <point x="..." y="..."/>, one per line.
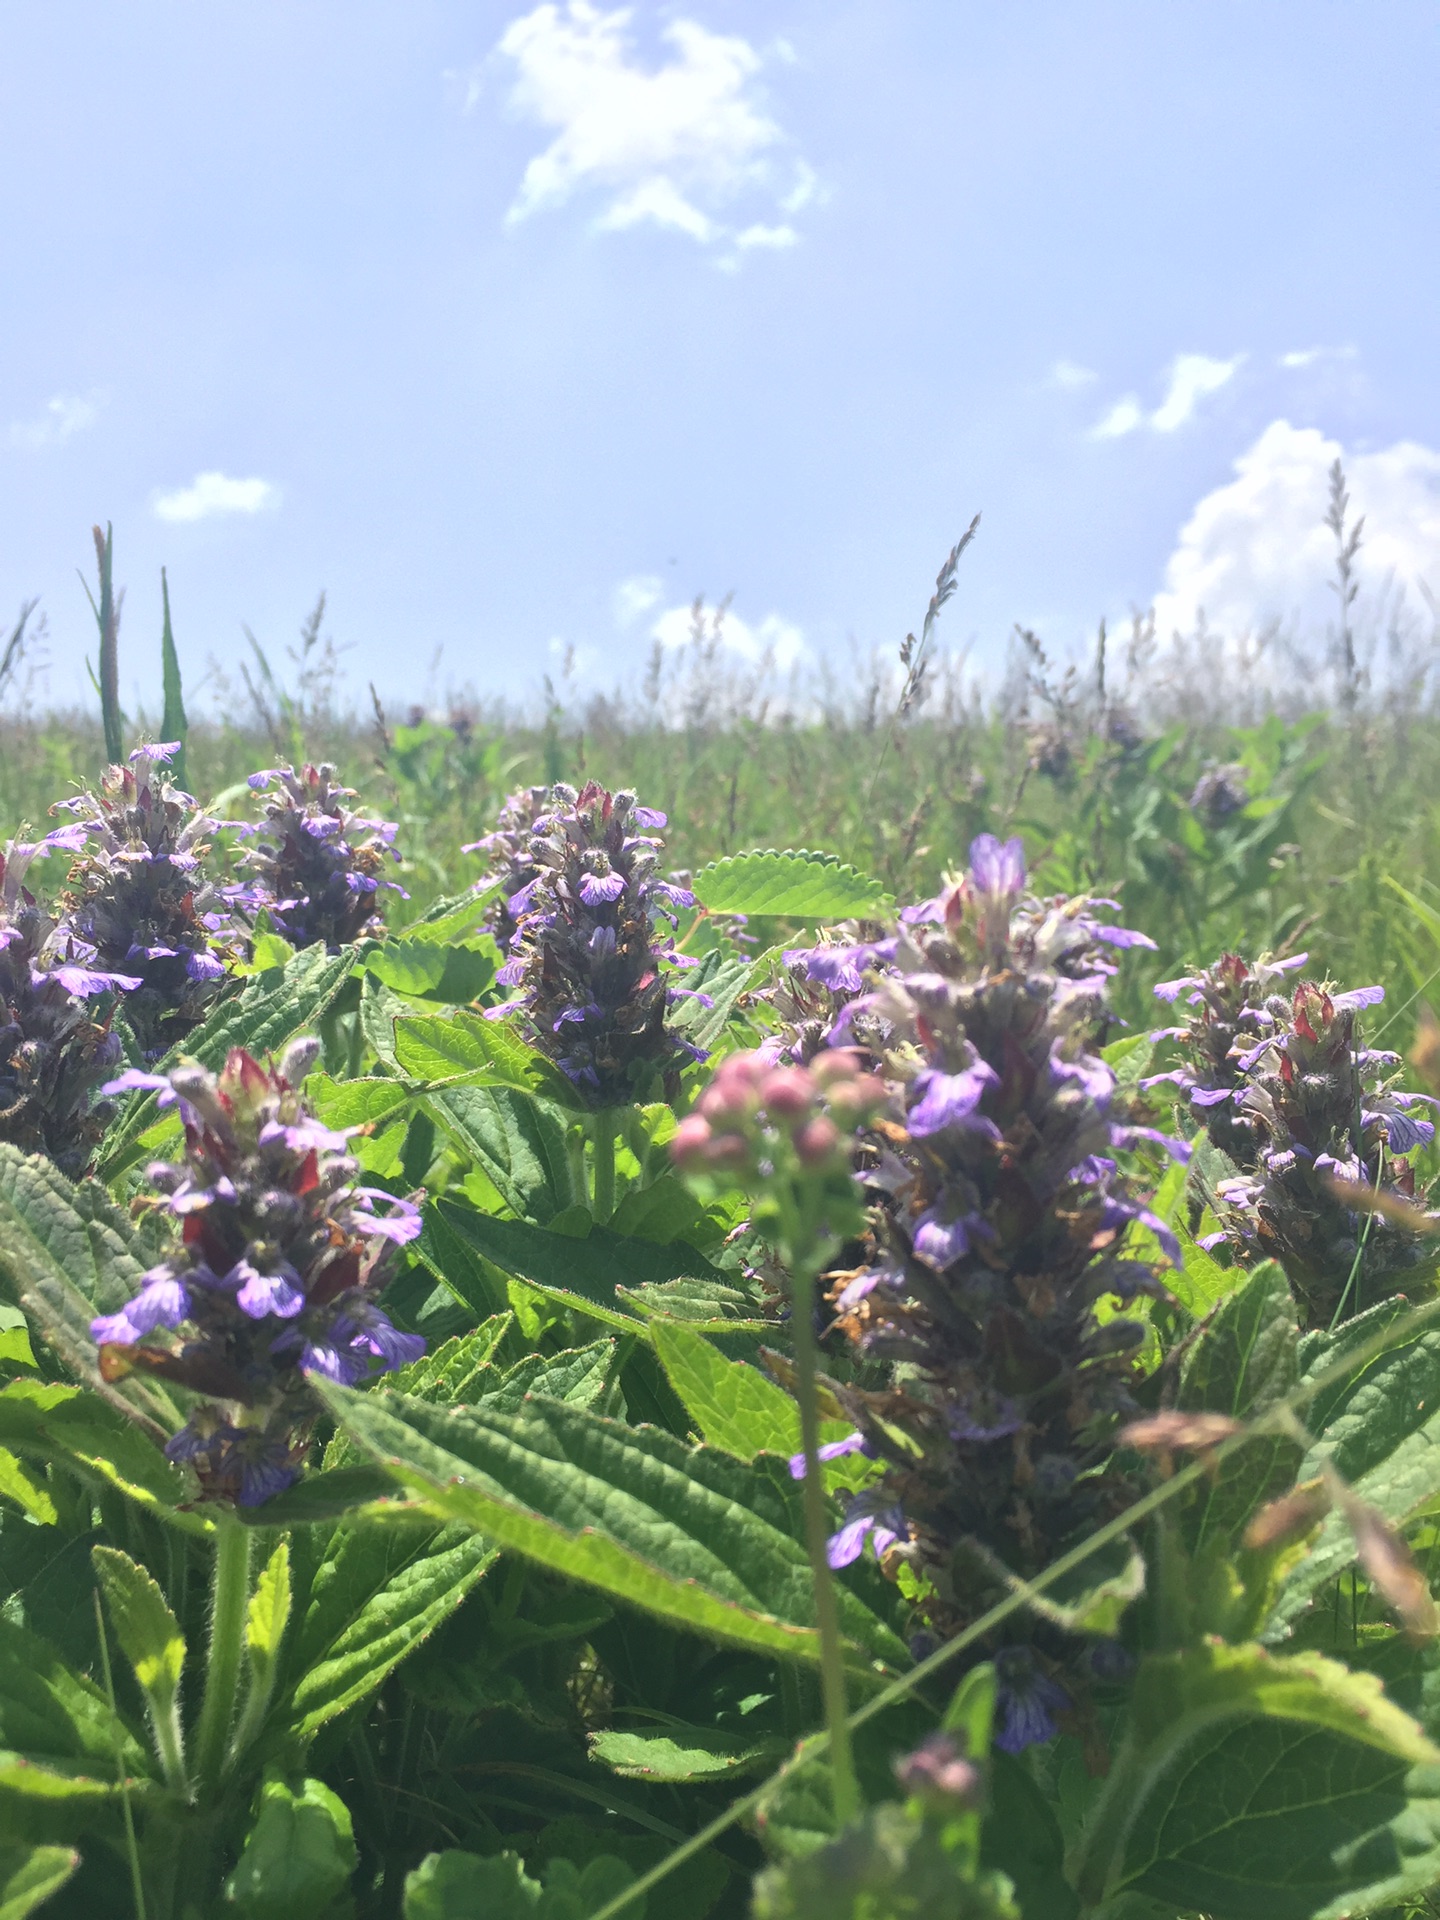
<point x="515" y="327"/>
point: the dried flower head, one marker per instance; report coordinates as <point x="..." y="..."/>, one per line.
<point x="592" y="953"/>
<point x="56" y="1045"/>
<point x="280" y="1262"/>
<point x="316" y="863"/>
<point x="138" y="903"/>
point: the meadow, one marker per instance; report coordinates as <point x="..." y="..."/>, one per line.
<point x="722" y="1352"/>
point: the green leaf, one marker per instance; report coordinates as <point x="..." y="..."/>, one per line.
<point x="297" y="1857"/>
<point x="516" y="1140"/>
<point x="271" y="1009"/>
<point x="676" y="1754"/>
<point x="463" y="1886"/>
<point x="471" y="1886"/>
<point x="433" y="970"/>
<point x="48" y="1714"/>
<point x="722" y="982"/>
<point x="173" y="724"/>
<point x="376" y="1595"/>
<point x="354" y="1103"/>
<point x="685" y="1533"/>
<point x="65" y="1256"/>
<point x="148" y="1632"/>
<point x="736" y="1407"/>
<point x="452" y="1370"/>
<point x="1202" y="1282"/>
<point x="27" y="1494"/>
<point x="1264" y="1787"/>
<point x="584" y="1274"/>
<point x="1380" y="1430"/>
<point x="435" y="1046"/>
<point x="1242" y="1364"/>
<point x="890" y="1864"/>
<point x="268" y="1613"/>
<point x="51" y="1421"/>
<point x="29" y="1875"/>
<point x="799" y="886"/>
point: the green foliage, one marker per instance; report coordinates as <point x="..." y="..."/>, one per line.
<point x="797" y="886"/>
<point x="297" y="1856"/>
<point x="29" y="1875"/>
<point x="457" y="1886"/>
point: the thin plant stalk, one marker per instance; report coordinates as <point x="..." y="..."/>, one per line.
<point x="132" y="1850"/>
<point x="803" y="1267"/>
<point x="230" y="1592"/>
<point x="602" y="1136"/>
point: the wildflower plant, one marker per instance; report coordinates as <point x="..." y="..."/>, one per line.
<point x="56" y="1042"/>
<point x="999" y="1230"/>
<point x="317" y="864"/>
<point x="510" y="868"/>
<point x="1309" y="1115"/>
<point x="276" y="1276"/>
<point x="138" y="903"/>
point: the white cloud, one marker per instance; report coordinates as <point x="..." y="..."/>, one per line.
<point x="782" y="638"/>
<point x="673" y="145"/>
<point x="1070" y="376"/>
<point x="212" y="493"/>
<point x="1124" y="417"/>
<point x="66" y="414"/>
<point x="1192" y="377"/>
<point x="635" y="596"/>
<point x="1308" y="356"/>
<point x="1256" y="550"/>
<point x="762" y="236"/>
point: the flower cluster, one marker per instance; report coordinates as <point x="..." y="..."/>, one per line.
<point x="1000" y="1224"/>
<point x="753" y="1111"/>
<point x="316" y="863"/>
<point x="592" y="960"/>
<point x="54" y="1051"/>
<point x="1288" y="1089"/>
<point x="507" y="850"/>
<point x="138" y="904"/>
<point x="280" y="1260"/>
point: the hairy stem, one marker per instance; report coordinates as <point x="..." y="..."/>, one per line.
<point x="230" y="1590"/>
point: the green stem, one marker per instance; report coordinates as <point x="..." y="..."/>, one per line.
<point x="817" y="1528"/>
<point x="228" y="1596"/>
<point x="602" y="1136"/>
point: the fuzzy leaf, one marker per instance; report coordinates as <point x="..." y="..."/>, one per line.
<point x="52" y="1716"/>
<point x="29" y="1875"/>
<point x="675" y="1754"/>
<point x="66" y="1424"/>
<point x="797" y="885"/>
<point x="377" y="1593"/>
<point x="516" y="1140"/>
<point x="148" y="1632"/>
<point x="722" y="982"/>
<point x="268" y="1613"/>
<point x="583" y="1275"/>
<point x="297" y="1856"/>
<point x="436" y="1046"/>
<point x="433" y="970"/>
<point x="1244" y="1362"/>
<point x="685" y="1533"/>
<point x="1381" y="1432"/>
<point x="1273" y="1789"/>
<point x="737" y="1408"/>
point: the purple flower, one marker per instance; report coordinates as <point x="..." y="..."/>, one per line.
<point x="884" y="1525"/>
<point x="950" y="1099"/>
<point x="400" y="1227"/>
<point x="832" y="1450"/>
<point x="133" y="1080"/>
<point x="1026" y="1702"/>
<point x="262" y="1294"/>
<point x="997" y="868"/>
<point x="84" y="981"/>
<point x="598" y="889"/>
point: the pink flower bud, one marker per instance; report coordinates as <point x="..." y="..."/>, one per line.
<point x="727" y="1150"/>
<point x="724" y="1104"/>
<point x="835" y="1065"/>
<point x="817" y="1141"/>
<point x="689" y="1141"/>
<point x="787" y="1093"/>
